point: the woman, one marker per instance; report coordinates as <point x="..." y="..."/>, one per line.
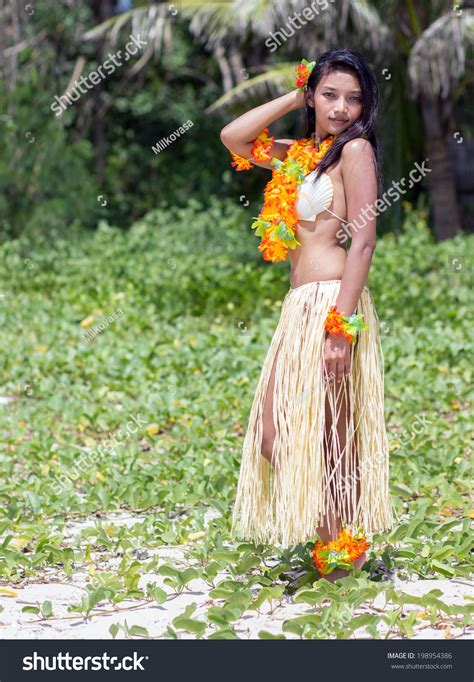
<point x="315" y="455"/>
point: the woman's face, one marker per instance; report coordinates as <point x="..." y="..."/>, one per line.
<point x="337" y="102"/>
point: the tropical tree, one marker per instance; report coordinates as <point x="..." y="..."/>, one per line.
<point x="436" y="49"/>
<point x="430" y="50"/>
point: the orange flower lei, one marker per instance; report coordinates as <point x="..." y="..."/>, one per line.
<point x="262" y="145"/>
<point x="260" y="151"/>
<point x="340" y="553"/>
<point x="277" y="221"/>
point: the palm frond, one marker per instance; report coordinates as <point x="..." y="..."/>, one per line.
<point x="438" y="58"/>
<point x="276" y="81"/>
<point x="216" y="23"/>
<point x="220" y="23"/>
<point x="369" y="26"/>
<point x="213" y="23"/>
<point x="106" y="27"/>
<point x="151" y="23"/>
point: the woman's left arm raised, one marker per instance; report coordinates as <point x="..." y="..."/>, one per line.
<point x="360" y="187"/>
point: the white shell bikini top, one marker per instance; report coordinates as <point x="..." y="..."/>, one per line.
<point x="314" y="197"/>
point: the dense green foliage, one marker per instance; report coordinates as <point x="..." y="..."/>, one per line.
<point x="96" y="160"/>
<point x="48" y="165"/>
<point x="195" y="310"/>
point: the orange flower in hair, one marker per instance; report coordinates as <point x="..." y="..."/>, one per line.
<point x="303" y="72"/>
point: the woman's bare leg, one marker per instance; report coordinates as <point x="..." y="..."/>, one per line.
<point x="269" y="431"/>
<point x="346" y="477"/>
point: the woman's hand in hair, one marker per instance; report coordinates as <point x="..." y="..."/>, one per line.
<point x="300" y="99"/>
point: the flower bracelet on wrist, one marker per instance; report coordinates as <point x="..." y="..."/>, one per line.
<point x="347" y="326"/>
<point x="260" y="151"/>
<point x="340" y="553"/>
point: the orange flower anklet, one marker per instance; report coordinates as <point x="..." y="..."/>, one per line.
<point x="340" y="553"/>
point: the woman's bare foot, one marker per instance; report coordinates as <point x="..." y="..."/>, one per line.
<point x="342" y="573"/>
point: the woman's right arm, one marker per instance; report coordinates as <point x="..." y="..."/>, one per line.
<point x="238" y="136"/>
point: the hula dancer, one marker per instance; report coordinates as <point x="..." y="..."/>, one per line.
<point x="315" y="462"/>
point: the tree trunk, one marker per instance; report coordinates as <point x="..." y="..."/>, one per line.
<point x="102" y="10"/>
<point x="224" y="66"/>
<point x="235" y="62"/>
<point x="441" y="179"/>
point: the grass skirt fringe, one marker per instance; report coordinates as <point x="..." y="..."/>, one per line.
<point x="327" y="462"/>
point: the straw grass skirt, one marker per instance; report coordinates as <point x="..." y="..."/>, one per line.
<point x="330" y="451"/>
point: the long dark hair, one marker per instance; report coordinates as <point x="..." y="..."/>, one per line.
<point x="354" y="63"/>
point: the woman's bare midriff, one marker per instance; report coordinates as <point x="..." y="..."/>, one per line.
<point x="322" y="255"/>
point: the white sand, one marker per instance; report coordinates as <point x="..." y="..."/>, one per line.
<point x="61" y="590"/>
